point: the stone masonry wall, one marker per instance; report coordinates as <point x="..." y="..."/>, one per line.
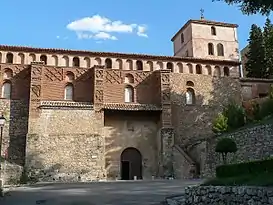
<point x="125" y="130"/>
<point x="66" y="145"/>
<point x="253" y="144"/>
<point x="202" y="195"/>
<point x="14" y="137"/>
<point x="193" y="123"/>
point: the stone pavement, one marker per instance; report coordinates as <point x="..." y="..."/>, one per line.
<point x="97" y="193"/>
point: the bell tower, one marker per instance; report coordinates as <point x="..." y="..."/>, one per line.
<point x="207" y="40"/>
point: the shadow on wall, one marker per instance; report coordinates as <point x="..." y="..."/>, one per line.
<point x="18" y="117"/>
<point x="193" y="122"/>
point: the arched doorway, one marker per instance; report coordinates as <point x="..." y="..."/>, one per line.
<point x="131" y="164"/>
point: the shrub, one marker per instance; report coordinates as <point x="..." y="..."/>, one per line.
<point x="235" y="115"/>
<point x="220" y="124"/>
<point x="266" y="108"/>
<point x="247" y="168"/>
<point x="225" y="146"/>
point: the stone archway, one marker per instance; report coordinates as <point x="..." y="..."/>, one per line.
<point x="131" y="164"/>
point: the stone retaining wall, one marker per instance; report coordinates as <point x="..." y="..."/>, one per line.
<point x="203" y="195"/>
<point x="253" y="143"/>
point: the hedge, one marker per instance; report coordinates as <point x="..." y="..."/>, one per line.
<point x="247" y="168"/>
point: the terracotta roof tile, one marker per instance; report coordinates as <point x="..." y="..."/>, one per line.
<point x="66" y="104"/>
<point x="205" y="22"/>
<point x="131" y="106"/>
<point x="113" y="54"/>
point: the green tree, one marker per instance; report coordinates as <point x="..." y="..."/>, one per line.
<point x="248" y="7"/>
<point x="255" y="65"/>
<point x="268" y="46"/>
<point x="220" y="124"/>
<point x="235" y="116"/>
<point x="225" y="146"/>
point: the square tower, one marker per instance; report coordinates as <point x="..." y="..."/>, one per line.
<point x="207" y="40"/>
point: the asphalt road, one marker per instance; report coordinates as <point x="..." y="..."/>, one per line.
<point x="96" y="193"/>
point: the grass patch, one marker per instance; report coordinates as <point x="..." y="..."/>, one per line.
<point x="264" y="179"/>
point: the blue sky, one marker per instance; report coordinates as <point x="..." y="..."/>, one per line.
<point x="134" y="26"/>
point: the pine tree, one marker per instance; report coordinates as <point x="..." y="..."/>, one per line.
<point x="255" y="65"/>
<point x="268" y="45"/>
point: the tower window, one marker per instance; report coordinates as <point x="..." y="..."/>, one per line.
<point x="220" y="49"/>
<point x="108" y="63"/>
<point x="213" y="31"/>
<point x="182" y="38"/>
<point x="6" y="90"/>
<point x="43" y="58"/>
<point x="68" y="92"/>
<point x="210" y="49"/>
<point x="76" y="62"/>
<point x="9" y="58"/>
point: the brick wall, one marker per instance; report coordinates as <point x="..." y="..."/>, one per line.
<point x="145" y="84"/>
<point x="54" y="81"/>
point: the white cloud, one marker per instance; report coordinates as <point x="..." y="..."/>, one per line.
<point x="141" y="31"/>
<point x="100" y="27"/>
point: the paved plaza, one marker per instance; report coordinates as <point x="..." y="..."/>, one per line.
<point x="96" y="193"/>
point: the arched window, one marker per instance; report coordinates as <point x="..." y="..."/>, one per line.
<point x="9" y="58"/>
<point x="210" y="49"/>
<point x="68" y="92"/>
<point x="226" y="71"/>
<point x="32" y="57"/>
<point x="22" y="58"/>
<point x="160" y="65"/>
<point x="180" y="67"/>
<point x="182" y="38"/>
<point x="0" y="57"/>
<point x="208" y="68"/>
<point x="55" y="59"/>
<point x="108" y="63"/>
<point x="213" y="31"/>
<point x="220" y="49"/>
<point x="129" y="78"/>
<point x="190" y="83"/>
<point x="69" y="76"/>
<point x="190" y="70"/>
<point x="97" y="61"/>
<point x="170" y="66"/>
<point x="129" y="94"/>
<point x="6" y="90"/>
<point x="119" y="63"/>
<point x="8" y="74"/>
<point x="150" y="65"/>
<point x="217" y="71"/>
<point x="190" y="96"/>
<point x="76" y="62"/>
<point x="87" y="62"/>
<point x="43" y="58"/>
<point x="198" y="69"/>
<point x="139" y="65"/>
<point x="66" y="61"/>
<point x="129" y="65"/>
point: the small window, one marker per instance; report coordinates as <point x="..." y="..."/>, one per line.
<point x="170" y="66"/>
<point x="190" y="83"/>
<point x="9" y="58"/>
<point x="108" y="63"/>
<point x="213" y="31"/>
<point x="182" y="38"/>
<point x="76" y="62"/>
<point x="139" y="65"/>
<point x="43" y="58"/>
<point x="129" y="94"/>
<point x="8" y="74"/>
<point x="190" y="96"/>
<point x="129" y="78"/>
<point x="220" y="49"/>
<point x="198" y="69"/>
<point x="6" y="90"/>
<point x="69" y="76"/>
<point x="187" y="53"/>
<point x="210" y="49"/>
<point x="68" y="92"/>
<point x="226" y="71"/>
